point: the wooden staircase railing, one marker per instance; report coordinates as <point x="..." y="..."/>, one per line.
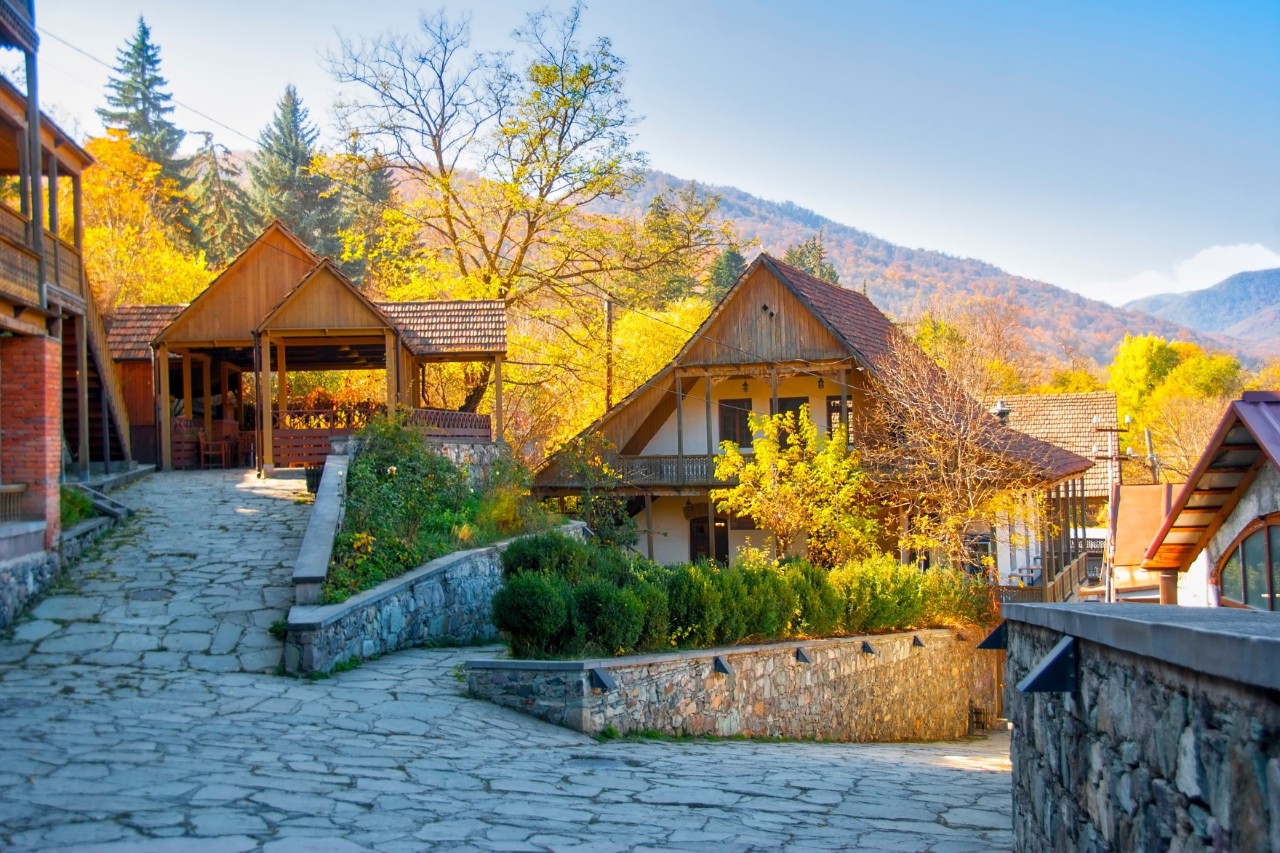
<point x="107" y="376"/>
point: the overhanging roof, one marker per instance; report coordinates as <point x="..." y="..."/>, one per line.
<point x="1247" y="438"/>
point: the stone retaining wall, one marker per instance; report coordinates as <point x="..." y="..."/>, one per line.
<point x="897" y="690"/>
<point x="1171" y="741"/>
<point x="22" y="580"/>
<point x="444" y="601"/>
<point x="78" y="539"/>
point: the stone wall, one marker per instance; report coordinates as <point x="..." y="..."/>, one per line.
<point x="444" y="601"/>
<point x="77" y="539"/>
<point x="899" y="690"/>
<point x="1171" y="742"/>
<point x="22" y="580"/>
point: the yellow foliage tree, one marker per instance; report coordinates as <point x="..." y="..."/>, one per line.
<point x="130" y="252"/>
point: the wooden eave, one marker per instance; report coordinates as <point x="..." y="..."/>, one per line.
<point x="71" y="157"/>
<point x="340" y="326"/>
<point x="1243" y="443"/>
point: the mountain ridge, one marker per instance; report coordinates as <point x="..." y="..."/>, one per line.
<point x="1245" y="306"/>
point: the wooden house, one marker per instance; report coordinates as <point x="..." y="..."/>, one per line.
<point x="279" y="308"/>
<point x="1229" y="510"/>
<point x="779" y="339"/>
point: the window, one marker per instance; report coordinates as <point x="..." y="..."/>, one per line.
<point x="1250" y="570"/>
<point x="733" y="422"/>
<point x="790" y="404"/>
<point x="833" y="415"/>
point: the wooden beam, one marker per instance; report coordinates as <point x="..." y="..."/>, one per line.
<point x="264" y="402"/>
<point x="207" y="377"/>
<point x="679" y="431"/>
<point x="389" y="341"/>
<point x="186" y="386"/>
<point x="282" y="380"/>
<point x="224" y="380"/>
<point x="648" y="522"/>
<point x="711" y="452"/>
<point x="82" y="393"/>
<point x="843" y="420"/>
<point x="499" y="425"/>
<point x="166" y="420"/>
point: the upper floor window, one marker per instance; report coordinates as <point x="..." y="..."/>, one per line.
<point x="1249" y="572"/>
<point x="733" y="422"/>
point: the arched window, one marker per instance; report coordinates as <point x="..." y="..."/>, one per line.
<point x="1249" y="571"/>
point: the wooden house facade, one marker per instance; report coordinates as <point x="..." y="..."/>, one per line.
<point x="779" y="339"/>
<point x="279" y="308"/>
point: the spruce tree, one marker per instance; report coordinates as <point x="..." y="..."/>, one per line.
<point x="725" y="270"/>
<point x="811" y="256"/>
<point x="286" y="186"/>
<point x="138" y="103"/>
<point x="222" y="216"/>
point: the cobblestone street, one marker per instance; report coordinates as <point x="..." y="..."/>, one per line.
<point x="139" y="710"/>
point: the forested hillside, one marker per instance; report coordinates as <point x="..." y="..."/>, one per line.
<point x="904" y="282"/>
<point x="1245" y="306"/>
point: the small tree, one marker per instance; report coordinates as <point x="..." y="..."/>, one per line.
<point x="799" y="480"/>
<point x="586" y="460"/>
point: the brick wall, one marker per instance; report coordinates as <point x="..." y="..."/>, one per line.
<point x="31" y="424"/>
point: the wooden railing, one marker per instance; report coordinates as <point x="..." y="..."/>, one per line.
<point x="19" y="272"/>
<point x="100" y="352"/>
<point x="449" y="424"/>
<point x="66" y="273"/>
<point x="340" y="421"/>
<point x="19" y="262"/>
<point x="656" y="470"/>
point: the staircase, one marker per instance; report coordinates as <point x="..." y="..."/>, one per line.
<point x="105" y="393"/>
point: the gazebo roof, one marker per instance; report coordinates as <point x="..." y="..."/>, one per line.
<point x="132" y="328"/>
<point x="451" y="328"/>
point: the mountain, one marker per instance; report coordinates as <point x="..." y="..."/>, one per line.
<point x="904" y="282"/>
<point x="1245" y="306"/>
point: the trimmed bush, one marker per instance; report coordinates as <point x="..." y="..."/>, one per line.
<point x="611" y="618"/>
<point x="655" y="632"/>
<point x="693" y="604"/>
<point x="532" y="609"/>
<point x="551" y="553"/>
<point x="819" y="605"/>
<point x="955" y="598"/>
<point x="879" y="593"/>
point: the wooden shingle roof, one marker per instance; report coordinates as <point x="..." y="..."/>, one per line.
<point x="1066" y="421"/>
<point x="456" y="327"/>
<point x="132" y="328"/>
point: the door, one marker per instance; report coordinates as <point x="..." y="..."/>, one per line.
<point x="698" y="540"/>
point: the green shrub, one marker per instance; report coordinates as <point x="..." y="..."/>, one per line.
<point x="693" y="605"/>
<point x="955" y="598"/>
<point x="532" y="609"/>
<point x="611" y="618"/>
<point x="550" y="553"/>
<point x="879" y="593"/>
<point x="74" y="506"/>
<point x="655" y="633"/>
<point x="819" y="605"/>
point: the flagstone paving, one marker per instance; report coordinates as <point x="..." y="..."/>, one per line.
<point x="139" y="711"/>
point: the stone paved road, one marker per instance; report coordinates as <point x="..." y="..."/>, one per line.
<point x="135" y="715"/>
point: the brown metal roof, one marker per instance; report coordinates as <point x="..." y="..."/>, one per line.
<point x="1066" y="421"/>
<point x="132" y="328"/>
<point x="457" y="327"/>
<point x="1246" y="439"/>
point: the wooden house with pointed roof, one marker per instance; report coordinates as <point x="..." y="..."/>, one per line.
<point x="278" y="307"/>
<point x="779" y="339"/>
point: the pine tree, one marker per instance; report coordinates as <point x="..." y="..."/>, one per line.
<point x="223" y="218"/>
<point x="285" y="183"/>
<point x="368" y="195"/>
<point x="138" y="104"/>
<point x="725" y="270"/>
<point x="811" y="256"/>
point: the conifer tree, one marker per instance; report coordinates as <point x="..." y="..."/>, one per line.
<point x="138" y="103"/>
<point x="223" y="218"/>
<point x="285" y="183"/>
<point x="811" y="256"/>
<point x="725" y="270"/>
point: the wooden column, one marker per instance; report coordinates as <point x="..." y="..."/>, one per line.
<point x="164" y="408"/>
<point x="844" y="406"/>
<point x="206" y="375"/>
<point x="82" y="393"/>
<point x="711" y="448"/>
<point x="53" y="219"/>
<point x="648" y="522"/>
<point x="240" y="397"/>
<point x="499" y="425"/>
<point x="77" y="211"/>
<point x="282" y="382"/>
<point x="1168" y="586"/>
<point x="224" y="380"/>
<point x="34" y="158"/>
<point x="679" y="430"/>
<point x="264" y="402"/>
<point x="389" y="340"/>
<point x="773" y="390"/>
<point x="186" y="386"/>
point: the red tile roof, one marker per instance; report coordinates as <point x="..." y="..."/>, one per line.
<point x="1066" y="421"/>
<point x="132" y="328"/>
<point x="852" y="316"/>
<point x="458" y="327"/>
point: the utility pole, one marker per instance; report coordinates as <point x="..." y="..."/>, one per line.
<point x="608" y="353"/>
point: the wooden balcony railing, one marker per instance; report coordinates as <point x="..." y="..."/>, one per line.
<point x="19" y="272"/>
<point x="18" y="267"/>
<point x="441" y="423"/>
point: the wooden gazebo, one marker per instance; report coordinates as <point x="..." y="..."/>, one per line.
<point x="278" y="308"/>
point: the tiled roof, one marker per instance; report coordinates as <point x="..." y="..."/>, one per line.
<point x="132" y="328"/>
<point x="462" y="326"/>
<point x="1066" y="421"/>
<point x="853" y="316"/>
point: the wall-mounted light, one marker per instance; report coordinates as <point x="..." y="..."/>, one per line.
<point x="821" y="383"/>
<point x="745" y="386"/>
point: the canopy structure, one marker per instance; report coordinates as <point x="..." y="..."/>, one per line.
<point x="278" y="308"/>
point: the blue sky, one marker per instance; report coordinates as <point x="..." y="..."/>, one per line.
<point x="1116" y="149"/>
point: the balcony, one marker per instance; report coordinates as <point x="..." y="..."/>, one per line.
<point x="642" y="472"/>
<point x="19" y="264"/>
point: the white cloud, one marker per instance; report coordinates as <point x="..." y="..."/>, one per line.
<point x="1203" y="269"/>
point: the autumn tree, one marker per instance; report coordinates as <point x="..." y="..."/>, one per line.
<point x="505" y="154"/>
<point x="222" y="214"/>
<point x="799" y="481"/>
<point x="139" y="104"/>
<point x="945" y="462"/>
<point x="288" y="182"/>
<point x="1141" y="363"/>
<point x="981" y="345"/>
<point x="130" y="251"/>
<point x="811" y="256"/>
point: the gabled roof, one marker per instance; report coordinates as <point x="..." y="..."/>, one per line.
<point x="849" y="315"/>
<point x="132" y="328"/>
<point x="457" y="327"/>
<point x="1066" y="421"/>
<point x="1247" y="438"/>
<point x="326" y="272"/>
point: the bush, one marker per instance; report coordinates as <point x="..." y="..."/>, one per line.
<point x="655" y="632"/>
<point x="693" y="604"/>
<point x="955" y="598"/>
<point x="819" y="606"/>
<point x="879" y="593"/>
<point x="74" y="506"/>
<point x="551" y="553"/>
<point x="611" y="618"/>
<point x="532" y="609"/>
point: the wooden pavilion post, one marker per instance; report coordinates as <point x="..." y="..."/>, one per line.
<point x="498" y="424"/>
<point x="843" y="420"/>
<point x="206" y="375"/>
<point x="389" y="341"/>
<point x="264" y="401"/>
<point x="648" y="522"/>
<point x="679" y="430"/>
<point x="224" y="380"/>
<point x="166" y="422"/>
<point x="282" y="382"/>
<point x="82" y="392"/>
<point x="186" y="385"/>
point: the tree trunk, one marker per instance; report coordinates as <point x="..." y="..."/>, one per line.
<point x="477" y="391"/>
